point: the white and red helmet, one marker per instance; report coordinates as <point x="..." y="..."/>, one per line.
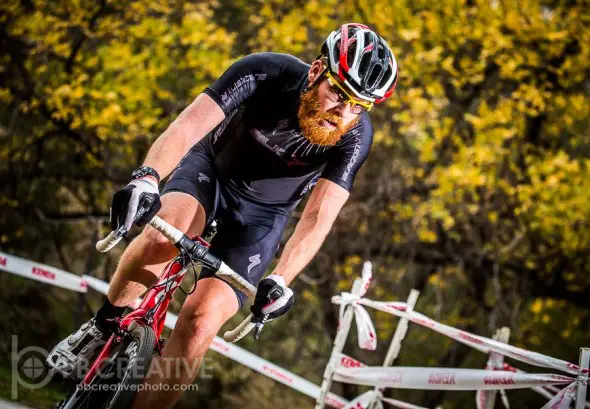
<point x="362" y="60"/>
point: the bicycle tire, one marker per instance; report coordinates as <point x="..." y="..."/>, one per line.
<point x="139" y="352"/>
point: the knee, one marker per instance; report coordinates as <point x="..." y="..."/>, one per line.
<point x="196" y="331"/>
<point x="154" y="245"/>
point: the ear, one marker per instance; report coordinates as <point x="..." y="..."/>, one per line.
<point x="314" y="71"/>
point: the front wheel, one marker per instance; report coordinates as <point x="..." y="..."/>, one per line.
<point x="114" y="386"/>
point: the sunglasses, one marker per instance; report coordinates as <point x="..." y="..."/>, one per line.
<point x="336" y="92"/>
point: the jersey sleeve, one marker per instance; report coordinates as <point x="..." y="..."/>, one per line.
<point x="243" y="79"/>
<point x="347" y="159"/>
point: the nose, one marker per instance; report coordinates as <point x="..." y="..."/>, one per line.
<point x="342" y="110"/>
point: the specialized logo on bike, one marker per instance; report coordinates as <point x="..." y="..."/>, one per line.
<point x="254" y="261"/>
<point x="204" y="178"/>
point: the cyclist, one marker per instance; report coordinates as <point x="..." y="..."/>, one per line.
<point x="246" y="151"/>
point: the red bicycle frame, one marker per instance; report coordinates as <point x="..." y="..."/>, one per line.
<point x="155" y="302"/>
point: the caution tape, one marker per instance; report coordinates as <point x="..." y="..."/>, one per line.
<point x="483" y="344"/>
<point x="367" y="338"/>
<point x="42" y="272"/>
<point x="445" y="378"/>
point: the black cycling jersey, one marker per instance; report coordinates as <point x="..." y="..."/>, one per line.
<point x="259" y="151"/>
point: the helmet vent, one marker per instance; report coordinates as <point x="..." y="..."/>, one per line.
<point x="363" y="59"/>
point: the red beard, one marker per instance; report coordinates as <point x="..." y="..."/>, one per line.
<point x="311" y="118"/>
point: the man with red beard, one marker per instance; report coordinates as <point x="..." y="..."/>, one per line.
<point x="245" y="152"/>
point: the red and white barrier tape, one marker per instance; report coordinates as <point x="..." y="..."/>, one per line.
<point x="445" y="378"/>
<point x="563" y="399"/>
<point x="42" y="272"/>
<point x="400" y="404"/>
<point x="366" y="334"/>
<point x="483" y="344"/>
<point x="344" y="361"/>
<point x="548" y="391"/>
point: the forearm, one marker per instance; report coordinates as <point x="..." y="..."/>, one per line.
<point x="168" y="150"/>
<point x="196" y="121"/>
<point x="302" y="247"/>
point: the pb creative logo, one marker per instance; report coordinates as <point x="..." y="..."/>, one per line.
<point x="28" y="368"/>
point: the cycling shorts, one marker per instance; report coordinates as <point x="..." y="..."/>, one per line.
<point x="248" y="235"/>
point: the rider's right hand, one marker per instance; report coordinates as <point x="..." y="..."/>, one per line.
<point x="140" y="194"/>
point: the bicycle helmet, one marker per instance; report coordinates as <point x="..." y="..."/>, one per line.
<point x="362" y="60"/>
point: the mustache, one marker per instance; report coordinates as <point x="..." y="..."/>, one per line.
<point x="328" y="116"/>
<point x="335" y="119"/>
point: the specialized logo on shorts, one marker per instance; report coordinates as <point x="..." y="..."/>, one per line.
<point x="204" y="178"/>
<point x="254" y="261"/>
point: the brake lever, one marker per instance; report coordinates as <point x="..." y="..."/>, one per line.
<point x="273" y="295"/>
<point x="259" y="326"/>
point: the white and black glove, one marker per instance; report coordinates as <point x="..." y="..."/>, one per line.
<point x="140" y="198"/>
<point x="273" y="298"/>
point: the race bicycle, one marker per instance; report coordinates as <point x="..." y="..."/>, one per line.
<point x="115" y="375"/>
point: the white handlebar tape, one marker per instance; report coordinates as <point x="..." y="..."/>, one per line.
<point x="226" y="273"/>
<point x="240" y="331"/>
<point x="169" y="231"/>
<point x="108" y="242"/>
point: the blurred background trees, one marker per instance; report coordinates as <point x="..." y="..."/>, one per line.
<point x="476" y="191"/>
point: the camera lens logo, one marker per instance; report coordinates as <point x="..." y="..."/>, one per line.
<point x="33" y="369"/>
<point x="28" y="368"/>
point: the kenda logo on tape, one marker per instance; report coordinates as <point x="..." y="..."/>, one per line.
<point x="37" y="271"/>
<point x="3" y="261"/>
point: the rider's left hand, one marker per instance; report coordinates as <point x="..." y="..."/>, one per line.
<point x="273" y="297"/>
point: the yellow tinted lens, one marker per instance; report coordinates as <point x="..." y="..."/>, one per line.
<point x="351" y="100"/>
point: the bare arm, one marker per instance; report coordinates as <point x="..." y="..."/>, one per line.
<point x="319" y="214"/>
<point x="198" y="119"/>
